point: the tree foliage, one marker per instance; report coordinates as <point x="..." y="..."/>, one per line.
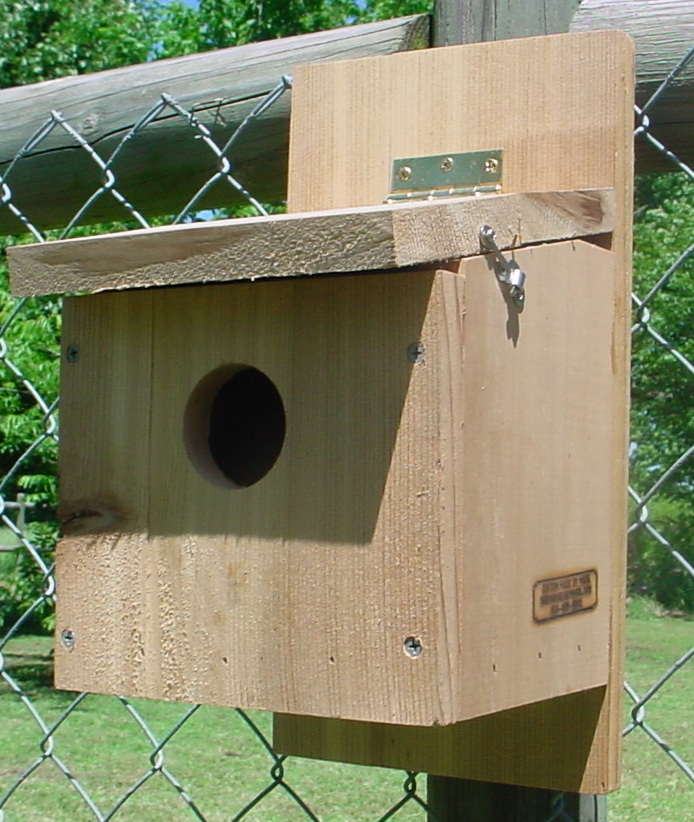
<point x="44" y="39"/>
<point x="214" y="24"/>
<point x="663" y="411"/>
<point x="662" y="388"/>
<point x="31" y="331"/>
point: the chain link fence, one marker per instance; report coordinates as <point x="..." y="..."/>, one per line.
<point x="665" y="480"/>
<point x="89" y="757"/>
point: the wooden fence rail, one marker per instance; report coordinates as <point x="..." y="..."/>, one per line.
<point x="163" y="167"/>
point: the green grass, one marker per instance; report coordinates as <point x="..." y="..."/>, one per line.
<point x="215" y="756"/>
<point x="654" y="788"/>
<point x="222" y="765"/>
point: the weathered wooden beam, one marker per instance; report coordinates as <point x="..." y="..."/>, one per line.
<point x="483" y="20"/>
<point x="164" y="166"/>
<point x="343" y="240"/>
<point x="664" y="33"/>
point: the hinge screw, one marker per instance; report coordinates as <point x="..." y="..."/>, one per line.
<point x="491" y="165"/>
<point x="404" y="173"/>
<point x="447" y="164"/>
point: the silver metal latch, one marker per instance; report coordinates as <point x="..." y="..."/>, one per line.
<point x="508" y="271"/>
<point x="446" y="175"/>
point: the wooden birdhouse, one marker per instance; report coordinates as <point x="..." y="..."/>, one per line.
<point x="367" y="462"/>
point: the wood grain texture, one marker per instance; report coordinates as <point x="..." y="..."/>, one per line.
<point x="469" y="21"/>
<point x="384" y="517"/>
<point x="165" y="165"/>
<point x="663" y="31"/>
<point x="109" y="417"/>
<point x="476" y="21"/>
<point x="399" y="506"/>
<point x="551" y="119"/>
<point x="345" y="240"/>
<point x="551" y="744"/>
<point x="221" y="87"/>
<point x="573" y="100"/>
<point x="541" y="745"/>
<point x="238" y="590"/>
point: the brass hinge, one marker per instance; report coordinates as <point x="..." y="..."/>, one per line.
<point x="446" y="175"/>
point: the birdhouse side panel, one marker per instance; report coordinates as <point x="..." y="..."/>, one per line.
<point x="536" y="502"/>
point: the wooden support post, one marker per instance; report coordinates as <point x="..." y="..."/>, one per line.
<point x="474" y="21"/>
<point x="449" y="799"/>
<point x="462" y="799"/>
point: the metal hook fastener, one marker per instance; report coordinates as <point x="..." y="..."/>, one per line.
<point x="509" y="271"/>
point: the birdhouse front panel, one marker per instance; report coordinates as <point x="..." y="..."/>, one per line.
<point x="308" y="495"/>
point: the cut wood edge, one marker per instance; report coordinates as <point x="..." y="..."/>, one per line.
<point x="374" y="238"/>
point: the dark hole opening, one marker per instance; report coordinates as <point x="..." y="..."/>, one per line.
<point x="247" y="427"/>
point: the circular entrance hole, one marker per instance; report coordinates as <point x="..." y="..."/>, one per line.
<point x="234" y="426"/>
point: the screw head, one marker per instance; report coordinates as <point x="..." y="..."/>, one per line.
<point x="447" y="164"/>
<point x="72" y="352"/>
<point x="416" y="352"/>
<point x="518" y="296"/>
<point x="491" y="165"/>
<point x="67" y="637"/>
<point x="404" y="173"/>
<point x="412" y="646"/>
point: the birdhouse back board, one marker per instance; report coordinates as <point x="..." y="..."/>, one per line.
<point x="561" y="109"/>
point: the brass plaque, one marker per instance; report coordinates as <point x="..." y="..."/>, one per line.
<point x="565" y="595"/>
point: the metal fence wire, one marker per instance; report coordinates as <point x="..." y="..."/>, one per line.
<point x="84" y="757"/>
